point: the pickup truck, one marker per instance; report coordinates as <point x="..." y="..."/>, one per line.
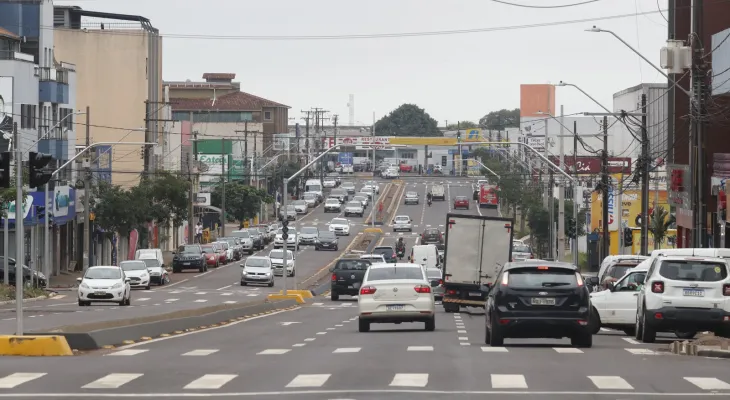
<point x="347" y="276"/>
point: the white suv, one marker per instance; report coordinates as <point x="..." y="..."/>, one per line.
<point x="684" y="295"/>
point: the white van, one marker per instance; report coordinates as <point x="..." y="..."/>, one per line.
<point x="427" y="255"/>
<point x="146" y="254"/>
<point x="314" y="186"/>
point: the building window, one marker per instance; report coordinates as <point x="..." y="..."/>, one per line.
<point x="28" y="116"/>
<point x="267" y="115"/>
<point x="213" y="116"/>
<point x="67" y="118"/>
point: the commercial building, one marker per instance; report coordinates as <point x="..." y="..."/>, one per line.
<point x="38" y="95"/>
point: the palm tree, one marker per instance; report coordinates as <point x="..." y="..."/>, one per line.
<point x="658" y="225"/>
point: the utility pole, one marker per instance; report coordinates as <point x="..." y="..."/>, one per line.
<point x="547" y="143"/>
<point x="196" y="177"/>
<point x="645" y="165"/>
<point x="223" y="183"/>
<point x="334" y="122"/>
<point x="245" y="150"/>
<point x="561" y="196"/>
<point x="551" y="213"/>
<point x="191" y="195"/>
<point x="697" y="112"/>
<point x="19" y="231"/>
<point x="458" y="142"/>
<point x="575" y="192"/>
<point x="87" y="195"/>
<point x="671" y="10"/>
<point x="605" y="245"/>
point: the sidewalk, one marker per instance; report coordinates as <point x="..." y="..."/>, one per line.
<point x="64" y="281"/>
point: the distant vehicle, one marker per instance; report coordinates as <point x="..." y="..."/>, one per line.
<point x="411" y="198"/>
<point x="340" y="193"/>
<point x="136" y="271"/>
<point x="246" y="240"/>
<point x="488" y="196"/>
<point x="258" y="270"/>
<point x="277" y="261"/>
<point x="461" y="202"/>
<point x="329" y="182"/>
<point x="406" y="167"/>
<point x="349" y="187"/>
<point x="362" y="199"/>
<point x="438" y="192"/>
<point x="308" y="235"/>
<point x="158" y="274"/>
<point x="402" y="223"/>
<point x="291" y="241"/>
<point x="435" y="277"/>
<point x="373" y="258"/>
<point x="311" y="199"/>
<point x="189" y="256"/>
<point x="314" y="186"/>
<point x="387" y="252"/>
<point x="347" y="276"/>
<point x="290" y="213"/>
<point x="326" y="240"/>
<point x="300" y="206"/>
<point x="347" y="169"/>
<point x="354" y="208"/>
<point x="97" y="283"/>
<point x="432" y="236"/>
<point x="340" y="226"/>
<point x="521" y="252"/>
<point x="332" y="204"/>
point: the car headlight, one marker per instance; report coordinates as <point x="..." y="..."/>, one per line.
<point x="84" y="286"/>
<point x="268" y="274"/>
<point x="117" y="285"/>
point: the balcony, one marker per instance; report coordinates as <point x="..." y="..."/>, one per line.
<point x="16" y="56"/>
<point x="53" y="92"/>
<point x="58" y="148"/>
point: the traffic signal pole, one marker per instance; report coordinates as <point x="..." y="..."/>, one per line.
<point x="19" y="234"/>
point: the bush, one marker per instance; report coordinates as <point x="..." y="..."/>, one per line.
<point x="7" y="292"/>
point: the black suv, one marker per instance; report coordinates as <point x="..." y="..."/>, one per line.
<point x="347" y="277"/>
<point x="189" y="256"/>
<point x="538" y="299"/>
<point x="432" y="236"/>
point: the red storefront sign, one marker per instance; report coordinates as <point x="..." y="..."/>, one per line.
<point x="592" y="165"/>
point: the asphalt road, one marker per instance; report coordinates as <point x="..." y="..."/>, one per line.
<point x="189" y="290"/>
<point x="315" y="352"/>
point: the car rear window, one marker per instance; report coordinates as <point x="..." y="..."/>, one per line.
<point x="521" y="248"/>
<point x="434" y="273"/>
<point x="383" y="252"/>
<point x="381" y="274"/>
<point x="432" y="232"/>
<point x="619" y="270"/>
<point x="693" y="271"/>
<point x="353" y="265"/>
<point x="538" y="278"/>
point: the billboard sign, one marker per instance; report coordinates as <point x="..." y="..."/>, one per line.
<point x="103" y="163"/>
<point x="211" y="167"/>
<point x="345" y="158"/>
<point x="6" y="105"/>
<point x="612" y="220"/>
<point x="592" y="165"/>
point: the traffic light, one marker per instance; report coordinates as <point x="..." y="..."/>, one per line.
<point x="40" y="212"/>
<point x="5" y="169"/>
<point x="458" y="135"/>
<point x="39" y="174"/>
<point x="628" y="237"/>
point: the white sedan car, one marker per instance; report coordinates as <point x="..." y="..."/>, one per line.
<point x="332" y="205"/>
<point x="354" y="208"/>
<point x="104" y="284"/>
<point x="329" y="182"/>
<point x="395" y="293"/>
<point x="340" y="226"/>
<point x="402" y="223"/>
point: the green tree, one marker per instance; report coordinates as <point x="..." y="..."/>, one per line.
<point x="659" y="222"/>
<point x="286" y="170"/>
<point x="243" y="202"/>
<point x="569" y="221"/>
<point x="407" y="120"/>
<point x="167" y="198"/>
<point x="500" y="120"/>
<point x="463" y="125"/>
<point x="118" y="209"/>
<point x="8" y="195"/>
<point x="538" y="220"/>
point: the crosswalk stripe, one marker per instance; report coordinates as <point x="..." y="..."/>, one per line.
<point x="308" y="380"/>
<point x="488" y="349"/>
<point x="111" y="381"/>
<point x="568" y="350"/>
<point x="201" y="300"/>
<point x="200" y="352"/>
<point x="226" y="294"/>
<point x="645" y="352"/>
<point x="347" y="350"/>
<point x="170" y="300"/>
<point x="410" y="380"/>
<point x="610" y="382"/>
<point x="708" y="383"/>
<point x="210" y="381"/>
<point x="274" y="351"/>
<point x="18" y="378"/>
<point x="505" y="381"/>
<point x="630" y="340"/>
<point x="420" y="348"/>
<point x="143" y="299"/>
<point x="128" y="352"/>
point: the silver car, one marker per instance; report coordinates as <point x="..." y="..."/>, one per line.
<point x="308" y="235"/>
<point x="349" y="187"/>
<point x="411" y="198"/>
<point x="290" y="213"/>
<point x="246" y="240"/>
<point x="402" y="223"/>
<point x="300" y="206"/>
<point x="257" y="270"/>
<point x="435" y="276"/>
<point x="521" y="252"/>
<point x="311" y="199"/>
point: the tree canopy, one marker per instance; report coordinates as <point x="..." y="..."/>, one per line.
<point x="407" y="120"/>
<point x="286" y="170"/>
<point x="462" y="125"/>
<point x="243" y="202"/>
<point x="500" y="120"/>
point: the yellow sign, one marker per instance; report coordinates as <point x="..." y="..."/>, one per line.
<point x="92" y="216"/>
<point x="245" y="224"/>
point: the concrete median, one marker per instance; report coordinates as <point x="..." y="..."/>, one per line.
<point x="43" y="345"/>
<point x="96" y="336"/>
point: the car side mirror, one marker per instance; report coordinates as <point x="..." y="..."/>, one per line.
<point x="79" y="280"/>
<point x="434" y="283"/>
<point x="592" y="280"/>
<point x="127" y="280"/>
<point x="174" y="252"/>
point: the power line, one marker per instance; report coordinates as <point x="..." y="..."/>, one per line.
<point x="546" y="7"/>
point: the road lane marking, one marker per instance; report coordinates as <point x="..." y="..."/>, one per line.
<point x="487" y="349"/>
<point x="508" y="381"/>
<point x="111" y="381"/>
<point x="347" y="350"/>
<point x="200" y="352"/>
<point x="708" y="383"/>
<point x="203" y="274"/>
<point x="321" y="333"/>
<point x="461" y="331"/>
<point x="273" y="352"/>
<point x="128" y="352"/>
<point x="229" y="302"/>
<point x="410" y="380"/>
<point x="420" y="348"/>
<point x="143" y="299"/>
<point x="201" y="301"/>
<point x="311" y="339"/>
<point x="644" y="352"/>
<point x="299" y="345"/>
<point x="224" y="287"/>
<point x="176" y="283"/>
<point x="170" y="300"/>
<point x="201" y="293"/>
<point x="610" y="382"/>
<point x="463" y="338"/>
<point x="226" y="294"/>
<point x="630" y="340"/>
<point x="18" y="378"/>
<point x="568" y="350"/>
<point x="210" y="381"/>
<point x="308" y="380"/>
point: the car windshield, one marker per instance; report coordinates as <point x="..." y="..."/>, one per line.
<point x="381" y="274"/>
<point x="315" y="188"/>
<point x="689" y="270"/>
<point x="539" y="278"/>
<point x="103" y="273"/>
<point x="359" y="198"/>
<point x="520" y="248"/>
<point x="310" y="196"/>
<point x="280" y="254"/>
<point x="461" y="198"/>
<point x="309" y="229"/>
<point x="333" y="201"/>
<point x="257" y="262"/>
<point x="241" y="234"/>
<point x="133" y="265"/>
<point x="411" y="194"/>
<point x="209" y="249"/>
<point x="348" y="184"/>
<point x="291" y="208"/>
<point x="338" y="192"/>
<point x="254" y="232"/>
<point x="433" y="232"/>
<point x="151" y="262"/>
<point x="326" y="235"/>
<point x="339" y="221"/>
<point x="354" y="204"/>
<point x="617" y="271"/>
<point x="433" y="273"/>
<point x="384" y="251"/>
<point x="299" y="203"/>
<point x="190" y="249"/>
<point x="291" y="232"/>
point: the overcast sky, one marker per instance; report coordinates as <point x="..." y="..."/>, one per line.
<point x="453" y="76"/>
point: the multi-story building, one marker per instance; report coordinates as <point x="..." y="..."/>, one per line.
<point x="38" y="95"/>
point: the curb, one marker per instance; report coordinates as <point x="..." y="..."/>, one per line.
<point x="714" y="353"/>
<point x="34" y="346"/>
<point x="30" y="300"/>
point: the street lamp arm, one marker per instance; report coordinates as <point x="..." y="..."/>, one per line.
<point x="49" y="130"/>
<point x="276" y="157"/>
<point x="488" y="169"/>
<point x="532" y="149"/>
<point x="83" y="152"/>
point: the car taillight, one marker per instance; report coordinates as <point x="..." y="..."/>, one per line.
<point x="726" y="290"/>
<point x="423" y="289"/>
<point x="505" y="279"/>
<point x="657" y="287"/>
<point x="579" y="278"/>
<point x="451" y="292"/>
<point x="367" y="290"/>
<point x="441" y="282"/>
<point x="393" y="255"/>
<point x="334" y="277"/>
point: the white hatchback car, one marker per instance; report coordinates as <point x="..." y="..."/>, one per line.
<point x="395" y="293"/>
<point x="684" y="295"/>
<point x="104" y="284"/>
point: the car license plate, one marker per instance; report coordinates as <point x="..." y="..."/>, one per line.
<point x="350" y="287"/>
<point x="542" y="301"/>
<point x="186" y="263"/>
<point x="476" y="294"/>
<point x="395" y="307"/>
<point x="694" y="292"/>
<point x="100" y="293"/>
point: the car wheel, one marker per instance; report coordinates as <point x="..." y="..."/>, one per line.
<point x="82" y="303"/>
<point x="584" y="340"/>
<point x="450" y="308"/>
<point x="431" y="324"/>
<point x="251" y="251"/>
<point x="337" y="248"/>
<point x="334" y="296"/>
<point x="129" y="299"/>
<point x="363" y="326"/>
<point x="123" y="302"/>
<point x="496" y="339"/>
<point x="271" y="284"/>
<point x="147" y="287"/>
<point x="205" y="268"/>
<point x="594" y="321"/>
<point x="176" y="270"/>
<point x="649" y="334"/>
<point x="638" y="329"/>
<point x="243" y="283"/>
